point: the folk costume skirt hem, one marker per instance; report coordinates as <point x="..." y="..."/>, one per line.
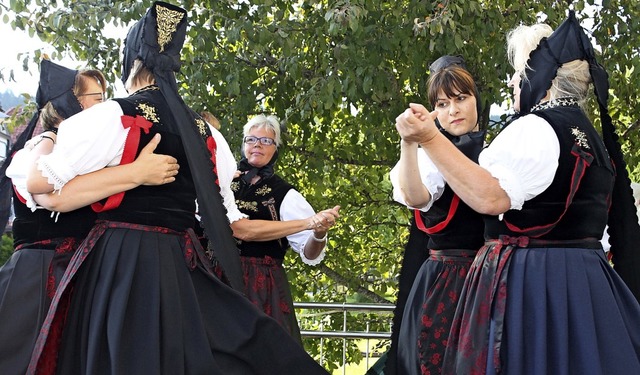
<point x="144" y="300"/>
<point x="544" y="310"/>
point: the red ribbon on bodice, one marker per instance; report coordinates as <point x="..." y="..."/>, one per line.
<point x="136" y="126"/>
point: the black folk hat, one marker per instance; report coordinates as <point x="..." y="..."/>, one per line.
<point x="445" y="61"/>
<point x="567" y="43"/>
<point x="156" y="39"/>
<point x="56" y="86"/>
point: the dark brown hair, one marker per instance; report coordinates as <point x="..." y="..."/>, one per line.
<point x="452" y="80"/>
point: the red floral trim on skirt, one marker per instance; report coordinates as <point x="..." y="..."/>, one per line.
<point x="439" y="306"/>
<point x="267" y="287"/>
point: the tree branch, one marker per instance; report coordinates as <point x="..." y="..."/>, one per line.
<point x="353" y="284"/>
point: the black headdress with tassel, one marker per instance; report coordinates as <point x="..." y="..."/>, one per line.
<point x="56" y="86"/>
<point x="567" y="43"/>
<point x="157" y="40"/>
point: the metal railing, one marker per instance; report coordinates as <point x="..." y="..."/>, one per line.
<point x="316" y="313"/>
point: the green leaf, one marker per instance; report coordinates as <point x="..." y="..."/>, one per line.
<point x="458" y="42"/>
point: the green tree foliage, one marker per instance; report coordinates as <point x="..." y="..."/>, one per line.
<point x="6" y="247"/>
<point x="338" y="72"/>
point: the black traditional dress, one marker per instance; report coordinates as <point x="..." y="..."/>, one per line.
<point x="43" y="243"/>
<point x="412" y="259"/>
<point x="541" y="297"/>
<point x="140" y="296"/>
<point x="265" y="279"/>
<point x="43" y="246"/>
<point x="455" y="234"/>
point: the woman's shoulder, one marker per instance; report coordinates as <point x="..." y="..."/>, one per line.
<point x="522" y="126"/>
<point x="277" y="181"/>
<point x="529" y="118"/>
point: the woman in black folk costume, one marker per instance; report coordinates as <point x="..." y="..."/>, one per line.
<point x="455" y="231"/>
<point x="412" y="259"/>
<point x="271" y="202"/>
<point x="144" y="297"/>
<point x="42" y="244"/>
<point x="44" y="241"/>
<point x="541" y="297"/>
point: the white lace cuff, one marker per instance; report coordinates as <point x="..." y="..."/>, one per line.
<point x="58" y="176"/>
<point x="317" y="260"/>
<point x="235" y="215"/>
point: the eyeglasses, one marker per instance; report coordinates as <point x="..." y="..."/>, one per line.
<point x="250" y="140"/>
<point x="101" y="94"/>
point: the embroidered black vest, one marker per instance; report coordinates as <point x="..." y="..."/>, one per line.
<point x="148" y="205"/>
<point x="450" y="223"/>
<point x="262" y="201"/>
<point x="575" y="205"/>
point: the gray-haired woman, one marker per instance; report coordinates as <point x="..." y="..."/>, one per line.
<point x="262" y="194"/>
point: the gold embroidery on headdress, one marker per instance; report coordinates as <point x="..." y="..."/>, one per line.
<point x="202" y="126"/>
<point x="168" y="21"/>
<point x="580" y="138"/>
<point x="148" y="112"/>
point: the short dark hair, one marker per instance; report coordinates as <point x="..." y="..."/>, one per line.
<point x="452" y="80"/>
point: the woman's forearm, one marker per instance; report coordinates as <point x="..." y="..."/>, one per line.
<point x="473" y="184"/>
<point x="89" y="188"/>
<point x="314" y="245"/>
<point x="413" y="191"/>
<point x="266" y="230"/>
<point x="148" y="169"/>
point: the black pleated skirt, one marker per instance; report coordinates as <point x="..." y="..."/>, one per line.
<point x="143" y="300"/>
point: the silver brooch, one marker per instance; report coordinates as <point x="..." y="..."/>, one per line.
<point x="580" y="138"/>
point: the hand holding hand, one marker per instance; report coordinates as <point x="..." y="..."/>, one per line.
<point x="323" y="220"/>
<point x="416" y="124"/>
<point x="155" y="169"/>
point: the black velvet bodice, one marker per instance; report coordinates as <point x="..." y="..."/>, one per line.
<point x="262" y="201"/>
<point x="586" y="215"/>
<point x="450" y="223"/>
<point x="171" y="205"/>
<point x="30" y="227"/>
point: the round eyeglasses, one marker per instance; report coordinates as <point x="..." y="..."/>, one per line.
<point x="250" y="139"/>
